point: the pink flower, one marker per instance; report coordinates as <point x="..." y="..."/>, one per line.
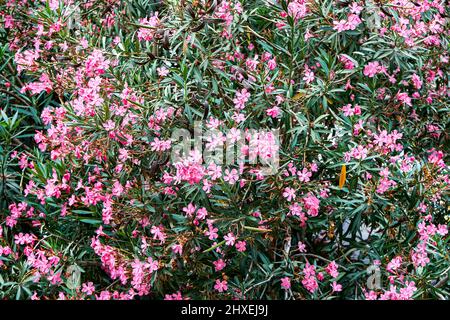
<point x="230" y="239"/>
<point x="9" y="22"/>
<point x="241" y="99"/>
<point x="340" y="25"/>
<point x="177" y="249"/>
<point x="442" y="229"/>
<point x="359" y="152"/>
<point x="88" y="288"/>
<point x="160" y="145"/>
<point x="158" y="234"/>
<point x="371" y="295"/>
<point x="151" y="265"/>
<point x="162" y="71"/>
<point x="404" y="98"/>
<point x="350" y="24"/>
<point x="149" y="27"/>
<point x="61" y="296"/>
<point x="304" y="175"/>
<point x="384" y="183"/>
<point x="189" y="210"/>
<point x="221" y="286"/>
<point x="201" y="214"/>
<point x="347" y="110"/>
<point x="219" y="264"/>
<point x="241" y="246"/>
<point x="286" y="283"/>
<point x="353" y="22"/>
<point x="22" y="239"/>
<point x="394" y="264"/>
<point x="272" y="64"/>
<point x="336" y="287"/>
<point x="231" y="176"/>
<point x="234" y="135"/>
<point x="212" y="231"/>
<point x="174" y="296"/>
<point x="44" y="84"/>
<point x="309" y="76"/>
<point x="348" y="64"/>
<point x="320" y="276"/>
<point x="309" y="281"/>
<point x="416" y="81"/>
<point x="297" y="9"/>
<point x="216" y="139"/>
<point x="117" y="189"/>
<point x="190" y="170"/>
<point x="311" y="204"/>
<point x="301" y="247"/>
<point x="273" y="112"/>
<point x="331" y="269"/>
<point x="355" y="8"/>
<point x="252" y="64"/>
<point x="109" y="125"/>
<point x="371" y="69"/>
<point x="289" y="194"/>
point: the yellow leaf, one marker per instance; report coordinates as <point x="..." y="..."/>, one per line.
<point x="343" y="176"/>
<point x="298" y="96"/>
<point x="331" y="228"/>
<point x="185" y="46"/>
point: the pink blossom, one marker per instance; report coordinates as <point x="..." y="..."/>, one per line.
<point x="273" y="112"/>
<point x="394" y="264"/>
<point x="309" y="76"/>
<point x="231" y="176"/>
<point x="149" y="27"/>
<point x="404" y="98"/>
<point x="177" y="249"/>
<point x="241" y="246"/>
<point x="230" y="239"/>
<point x="297" y="9"/>
<point x="286" y="283"/>
<point x="241" y="99"/>
<point x="221" y="286"/>
<point x="201" y="214"/>
<point x="336" y="287"/>
<point x="109" y="125"/>
<point x="88" y="288"/>
<point x="162" y="71"/>
<point x="160" y="145"/>
<point x="311" y="204"/>
<point x="219" y="264"/>
<point x="26" y="238"/>
<point x="289" y="194"/>
<point x="271" y="64"/>
<point x="416" y="81"/>
<point x="301" y="247"/>
<point x="309" y="281"/>
<point x="371" y="69"/>
<point x="331" y="269"/>
<point x="174" y="296"/>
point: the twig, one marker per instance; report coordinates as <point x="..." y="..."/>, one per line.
<point x="14" y="95"/>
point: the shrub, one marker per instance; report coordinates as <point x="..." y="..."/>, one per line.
<point x="340" y="113"/>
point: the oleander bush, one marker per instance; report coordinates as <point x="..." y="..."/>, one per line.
<point x="351" y="98"/>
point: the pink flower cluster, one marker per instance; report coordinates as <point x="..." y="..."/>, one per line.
<point x="353" y="20"/>
<point x="148" y="28"/>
